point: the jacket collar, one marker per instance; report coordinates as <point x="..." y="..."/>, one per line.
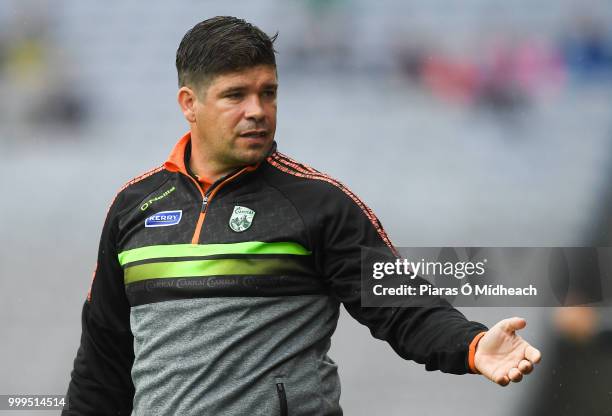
<point x="176" y="159"/>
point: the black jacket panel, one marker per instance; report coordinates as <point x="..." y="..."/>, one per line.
<point x="293" y="203"/>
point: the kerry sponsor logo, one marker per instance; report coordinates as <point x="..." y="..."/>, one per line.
<point x="241" y="218"/>
<point x="164" y="219"/>
<point x="145" y="205"/>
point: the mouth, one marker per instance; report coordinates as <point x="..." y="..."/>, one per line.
<point x="254" y="134"/>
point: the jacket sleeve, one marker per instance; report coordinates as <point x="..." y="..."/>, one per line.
<point x="100" y="381"/>
<point x="431" y="333"/>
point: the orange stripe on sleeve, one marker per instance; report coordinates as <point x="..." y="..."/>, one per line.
<point x="127" y="184"/>
<point x="135" y="180"/>
<point x="290" y="166"/>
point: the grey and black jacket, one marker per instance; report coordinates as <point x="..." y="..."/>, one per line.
<point x="223" y="302"/>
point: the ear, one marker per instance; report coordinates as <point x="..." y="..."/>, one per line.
<point x="187" y="99"/>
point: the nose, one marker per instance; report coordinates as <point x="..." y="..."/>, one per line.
<point x="254" y="110"/>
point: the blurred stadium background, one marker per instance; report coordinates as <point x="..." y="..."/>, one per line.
<point x="481" y="122"/>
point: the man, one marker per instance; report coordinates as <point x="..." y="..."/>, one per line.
<point x="221" y="272"/>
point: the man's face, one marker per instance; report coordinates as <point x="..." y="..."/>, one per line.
<point x="235" y="116"/>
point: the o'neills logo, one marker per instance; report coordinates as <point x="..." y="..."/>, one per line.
<point x="164" y="219"/>
<point x="145" y="205"/>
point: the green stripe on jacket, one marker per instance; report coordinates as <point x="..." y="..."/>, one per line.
<point x="218" y="267"/>
<point x="198" y="250"/>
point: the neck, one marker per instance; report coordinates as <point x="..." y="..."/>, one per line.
<point x="205" y="166"/>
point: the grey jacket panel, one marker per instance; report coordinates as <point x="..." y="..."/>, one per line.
<point x="217" y="356"/>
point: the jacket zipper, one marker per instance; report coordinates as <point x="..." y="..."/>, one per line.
<point x="196" y="234"/>
<point x="208" y="196"/>
<point x="282" y="398"/>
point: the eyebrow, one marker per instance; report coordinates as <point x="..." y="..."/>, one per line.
<point x="232" y="89"/>
<point x="241" y="88"/>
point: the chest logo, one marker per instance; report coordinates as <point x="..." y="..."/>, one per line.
<point x="164" y="219"/>
<point x="241" y="218"/>
<point x="153" y="200"/>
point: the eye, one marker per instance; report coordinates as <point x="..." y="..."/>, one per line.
<point x="269" y="93"/>
<point x="234" y="95"/>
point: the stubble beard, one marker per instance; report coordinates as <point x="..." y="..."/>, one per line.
<point x="249" y="156"/>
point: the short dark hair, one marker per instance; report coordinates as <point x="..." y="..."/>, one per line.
<point x="219" y="45"/>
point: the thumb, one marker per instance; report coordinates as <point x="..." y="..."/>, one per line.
<point x="513" y="324"/>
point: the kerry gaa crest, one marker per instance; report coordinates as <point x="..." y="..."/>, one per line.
<point x="241" y="218"/>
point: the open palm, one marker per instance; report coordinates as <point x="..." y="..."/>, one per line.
<point x="502" y="355"/>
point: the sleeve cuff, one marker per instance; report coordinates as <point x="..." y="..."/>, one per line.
<point x="472" y="352"/>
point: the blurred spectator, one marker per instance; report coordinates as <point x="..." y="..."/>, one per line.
<point x="326" y="38"/>
<point x="38" y="88"/>
<point x="580" y="342"/>
<point x="587" y="47"/>
<point x="450" y="78"/>
<point x="410" y="53"/>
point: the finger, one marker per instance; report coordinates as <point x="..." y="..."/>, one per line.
<point x="515" y="375"/>
<point x="514" y="324"/>
<point x="525" y="366"/>
<point x="533" y="354"/>
<point x="502" y="380"/>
